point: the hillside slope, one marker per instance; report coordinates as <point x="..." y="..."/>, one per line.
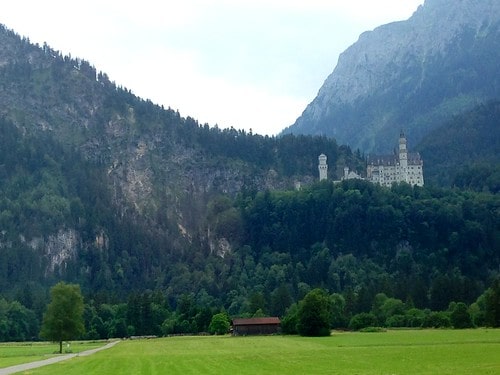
<point x="104" y="188"/>
<point x="410" y="75"/>
<point x="468" y="142"/>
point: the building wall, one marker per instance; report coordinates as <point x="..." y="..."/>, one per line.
<point x="255" y="329"/>
<point x="400" y="167"/>
<point x="387" y="175"/>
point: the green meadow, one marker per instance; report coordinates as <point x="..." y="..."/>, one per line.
<point x="392" y="352"/>
<point x="19" y="352"/>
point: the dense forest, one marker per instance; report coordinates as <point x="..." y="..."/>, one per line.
<point x="463" y="152"/>
<point x="427" y="248"/>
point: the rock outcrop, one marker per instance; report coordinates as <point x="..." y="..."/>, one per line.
<point x="411" y="74"/>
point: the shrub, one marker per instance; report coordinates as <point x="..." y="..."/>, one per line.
<point x="437" y="319"/>
<point x="460" y="317"/>
<point x="373" y="330"/>
<point x="290" y="320"/>
<point x="415" y="317"/>
<point x="362" y="320"/>
<point x="396" y="321"/>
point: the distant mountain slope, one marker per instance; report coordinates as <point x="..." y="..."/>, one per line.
<point x="413" y="74"/>
<point x="469" y="141"/>
<point x="102" y="187"/>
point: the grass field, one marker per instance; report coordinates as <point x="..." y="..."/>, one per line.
<point x="392" y="352"/>
<point x="19" y="352"/>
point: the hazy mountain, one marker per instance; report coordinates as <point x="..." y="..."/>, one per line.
<point x="98" y="183"/>
<point x="410" y="75"/>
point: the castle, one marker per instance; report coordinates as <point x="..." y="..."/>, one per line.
<point x="386" y="170"/>
<point x="397" y="167"/>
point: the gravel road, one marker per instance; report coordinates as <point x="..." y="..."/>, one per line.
<point x="49" y="361"/>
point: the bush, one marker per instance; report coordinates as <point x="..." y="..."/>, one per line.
<point x="460" y="317"/>
<point x="289" y="321"/>
<point x="437" y="319"/>
<point x="396" y="321"/>
<point x="373" y="330"/>
<point x="362" y="320"/>
<point x="415" y="317"/>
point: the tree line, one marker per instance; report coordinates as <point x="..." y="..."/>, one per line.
<point x="68" y="317"/>
<point x="319" y="312"/>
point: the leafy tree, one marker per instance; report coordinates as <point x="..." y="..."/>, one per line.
<point x="362" y="320"/>
<point x="338" y="304"/>
<point x="437" y="319"/>
<point x="203" y="319"/>
<point x="397" y="320"/>
<point x="415" y="317"/>
<point x="314" y="314"/>
<point x="280" y="300"/>
<point x="256" y="302"/>
<point x="17" y="323"/>
<point x="219" y="324"/>
<point x="384" y="308"/>
<point x="492" y="302"/>
<point x="259" y="314"/>
<point x="290" y="320"/>
<point x="63" y="319"/>
<point x="460" y="317"/>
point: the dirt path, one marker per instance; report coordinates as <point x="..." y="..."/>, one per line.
<point x="49" y="361"/>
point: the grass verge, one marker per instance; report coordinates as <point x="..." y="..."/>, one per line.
<point x="15" y="353"/>
<point x="392" y="352"/>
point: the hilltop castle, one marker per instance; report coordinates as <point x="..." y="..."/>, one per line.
<point x="400" y="166"/>
<point x="386" y="170"/>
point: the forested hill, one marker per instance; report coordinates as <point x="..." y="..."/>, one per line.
<point x="464" y="151"/>
<point x="101" y="187"/>
<point x="136" y="203"/>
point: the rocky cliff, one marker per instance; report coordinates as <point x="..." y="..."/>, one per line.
<point x="411" y="74"/>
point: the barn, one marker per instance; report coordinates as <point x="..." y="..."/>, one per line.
<point x="256" y="326"/>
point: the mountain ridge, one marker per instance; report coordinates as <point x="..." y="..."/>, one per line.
<point x="411" y="74"/>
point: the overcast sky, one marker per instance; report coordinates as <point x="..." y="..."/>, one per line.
<point x="250" y="64"/>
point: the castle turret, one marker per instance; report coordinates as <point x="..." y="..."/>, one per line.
<point x="403" y="151"/>
<point x="322" y="167"/>
<point x="346" y="173"/>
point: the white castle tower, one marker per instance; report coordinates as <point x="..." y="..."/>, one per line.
<point x="403" y="151"/>
<point x="322" y="167"/>
<point x="403" y="158"/>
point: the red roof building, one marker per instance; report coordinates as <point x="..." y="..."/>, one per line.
<point x="256" y="326"/>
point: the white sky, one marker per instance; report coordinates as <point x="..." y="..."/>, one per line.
<point x="250" y="64"/>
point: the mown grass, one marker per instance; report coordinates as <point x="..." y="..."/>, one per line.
<point x="392" y="352"/>
<point x="21" y="352"/>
